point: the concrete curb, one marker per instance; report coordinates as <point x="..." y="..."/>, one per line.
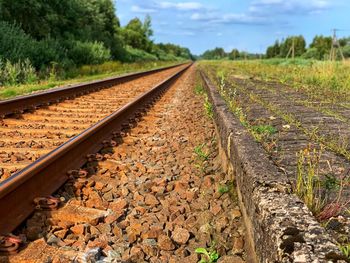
<point x="280" y="227"/>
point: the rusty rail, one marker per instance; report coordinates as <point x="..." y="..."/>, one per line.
<point x="32" y="101"/>
<point x="47" y="174"/>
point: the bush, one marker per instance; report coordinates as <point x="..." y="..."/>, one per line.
<point x="136" y="55"/>
<point x="48" y="51"/>
<point x="346" y="51"/>
<point x="16" y="73"/>
<point x="15" y="44"/>
<point x="89" y="53"/>
<point x="312" y="53"/>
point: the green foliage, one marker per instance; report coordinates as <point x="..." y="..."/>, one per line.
<point x="273" y="51"/>
<point x="234" y="54"/>
<point x="282" y="49"/>
<point x="308" y="185"/>
<point x="212" y="255"/>
<point x="85" y="53"/>
<point x="311" y="53"/>
<point x="138" y="55"/>
<point x="201" y="154"/>
<point x="345" y="249"/>
<point x="15" y="73"/>
<point x="330" y="182"/>
<point x="299" y="46"/>
<point x="264" y="129"/>
<point x="225" y="188"/>
<point x="216" y="53"/>
<point x="322" y="46"/>
<point x="172" y="51"/>
<point x="75" y="32"/>
<point x="208" y="107"/>
<point x="199" y="90"/>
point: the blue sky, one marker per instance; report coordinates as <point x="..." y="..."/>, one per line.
<point x="249" y="25"/>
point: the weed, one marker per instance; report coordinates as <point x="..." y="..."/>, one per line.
<point x="201" y="154"/>
<point x="199" y="90"/>
<point x="208" y="108"/>
<point x="330" y="182"/>
<point x="345" y="249"/>
<point x="211" y="255"/>
<point x="264" y="129"/>
<point x="308" y="185"/>
<point x="223" y="189"/>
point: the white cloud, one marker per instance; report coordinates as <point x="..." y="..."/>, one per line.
<point x="291" y="7"/>
<point x="138" y="9"/>
<point x="182" y="6"/>
<point x="229" y="18"/>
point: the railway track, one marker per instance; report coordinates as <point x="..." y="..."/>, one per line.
<point x="45" y="137"/>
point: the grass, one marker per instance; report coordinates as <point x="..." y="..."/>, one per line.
<point x="308" y="184"/>
<point x="211" y="255"/>
<point x="208" y="107"/>
<point x="83" y="74"/>
<point x="264" y="129"/>
<point x="345" y="249"/>
<point x="226" y="188"/>
<point x="200" y="153"/>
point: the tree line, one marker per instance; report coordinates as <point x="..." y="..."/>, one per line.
<point x="219" y="53"/>
<point x="319" y="48"/>
<point x="72" y="33"/>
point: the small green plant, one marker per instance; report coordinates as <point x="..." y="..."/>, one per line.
<point x="211" y="255"/>
<point x="208" y="108"/>
<point x="345" y="249"/>
<point x="199" y="90"/>
<point x="223" y="189"/>
<point x="201" y="154"/>
<point x="330" y="182"/>
<point x="264" y="129"/>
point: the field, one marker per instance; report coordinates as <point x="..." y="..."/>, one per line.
<point x="299" y="112"/>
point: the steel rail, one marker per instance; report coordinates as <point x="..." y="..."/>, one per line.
<point x="32" y="101"/>
<point x="47" y="174"/>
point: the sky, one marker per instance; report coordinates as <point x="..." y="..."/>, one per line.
<point x="249" y="25"/>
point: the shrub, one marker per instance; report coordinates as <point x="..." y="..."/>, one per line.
<point x="48" y="51"/>
<point x="89" y="53"/>
<point x="136" y="55"/>
<point x="15" y="73"/>
<point x="312" y="53"/>
<point x="15" y="44"/>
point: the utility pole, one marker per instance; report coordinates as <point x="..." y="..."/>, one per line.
<point x="292" y="49"/>
<point x="335" y="47"/>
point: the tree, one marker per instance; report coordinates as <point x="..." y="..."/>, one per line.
<point x="137" y="34"/>
<point x="274" y="50"/>
<point x="234" y="54"/>
<point x="216" y="53"/>
<point x="299" y="46"/>
<point x="322" y="45"/>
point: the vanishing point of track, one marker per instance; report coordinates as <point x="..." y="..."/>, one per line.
<point x="48" y="134"/>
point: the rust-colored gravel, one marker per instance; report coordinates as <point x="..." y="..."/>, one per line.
<point x="152" y="199"/>
<point x="29" y="136"/>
